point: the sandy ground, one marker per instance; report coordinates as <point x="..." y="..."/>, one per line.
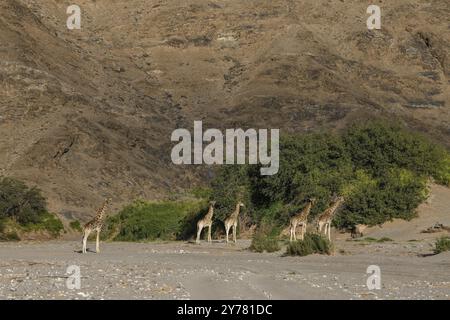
<point x="178" y="270"/>
<point x="182" y="270"/>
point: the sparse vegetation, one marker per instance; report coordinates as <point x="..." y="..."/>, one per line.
<point x="370" y="239"/>
<point x="9" y="236"/>
<point x="442" y="244"/>
<point x="384" y="239"/>
<point x="312" y="243"/>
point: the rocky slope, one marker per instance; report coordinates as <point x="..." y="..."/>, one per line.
<point x="88" y="113"/>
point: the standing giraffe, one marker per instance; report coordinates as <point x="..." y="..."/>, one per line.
<point x="232" y="221"/>
<point x="95" y="224"/>
<point x="326" y="217"/>
<point x="301" y="219"/>
<point x="206" y="222"/>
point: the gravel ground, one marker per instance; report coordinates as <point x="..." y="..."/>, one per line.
<point x="180" y="270"/>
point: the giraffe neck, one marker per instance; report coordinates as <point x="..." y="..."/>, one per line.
<point x="210" y="213"/>
<point x="101" y="212"/>
<point x="236" y="211"/>
<point x="308" y="207"/>
<point x="305" y="211"/>
<point x="333" y="208"/>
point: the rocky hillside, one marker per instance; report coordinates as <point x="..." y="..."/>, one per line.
<point x="88" y="113"/>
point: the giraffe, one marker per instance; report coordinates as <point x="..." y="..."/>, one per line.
<point x="301" y="219"/>
<point x="326" y="217"/>
<point x="206" y="222"/>
<point x="232" y="221"/>
<point x="95" y="224"/>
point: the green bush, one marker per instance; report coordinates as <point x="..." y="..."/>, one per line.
<point x="442" y="244"/>
<point x="48" y="222"/>
<point x="75" y="225"/>
<point x="370" y="239"/>
<point x="52" y="224"/>
<point x="312" y="243"/>
<point x="142" y="220"/>
<point x="265" y="239"/>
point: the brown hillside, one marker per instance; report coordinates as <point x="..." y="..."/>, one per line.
<point x="89" y="113"/>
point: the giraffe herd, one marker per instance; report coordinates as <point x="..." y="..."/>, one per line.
<point x="300" y="219"/>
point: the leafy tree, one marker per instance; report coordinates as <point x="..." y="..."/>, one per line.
<point x="230" y="186"/>
<point x="380" y="168"/>
<point x="378" y="146"/>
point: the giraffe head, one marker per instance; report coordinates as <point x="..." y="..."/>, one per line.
<point x="240" y="204"/>
<point x="212" y="203"/>
<point x="312" y="200"/>
<point x="340" y="199"/>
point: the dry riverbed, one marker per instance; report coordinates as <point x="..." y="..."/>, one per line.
<point x="180" y="270"/>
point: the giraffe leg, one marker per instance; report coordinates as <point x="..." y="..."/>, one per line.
<point x="290" y="236"/>
<point x="82" y="243"/>
<point x="227" y="231"/>
<point x="234" y="233"/>
<point x="319" y="227"/>
<point x="295" y="232"/>
<point x="85" y="236"/>
<point x="209" y="233"/>
<point x="329" y="231"/>
<point x="97" y="243"/>
<point x="303" y="231"/>
<point x="199" y="232"/>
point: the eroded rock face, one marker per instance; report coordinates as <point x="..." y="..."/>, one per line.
<point x="88" y="113"/>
